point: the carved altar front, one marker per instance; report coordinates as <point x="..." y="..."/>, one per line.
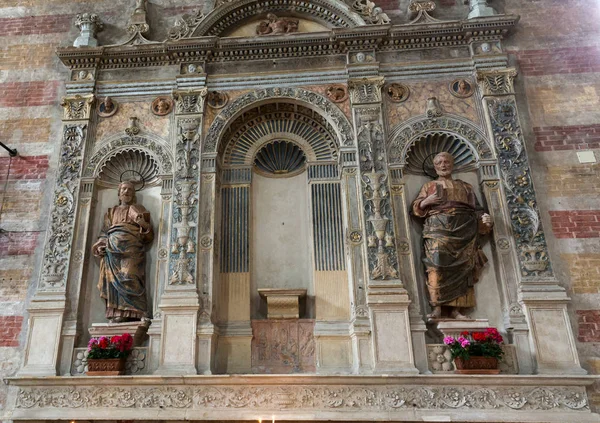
<point x="280" y="149"/>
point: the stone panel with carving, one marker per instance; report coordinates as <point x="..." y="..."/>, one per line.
<point x="283" y="346"/>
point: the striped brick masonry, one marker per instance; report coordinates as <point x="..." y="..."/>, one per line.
<point x="34" y="93"/>
<point x="589" y="325"/>
<point x="576" y="223"/>
<point x="558" y="60"/>
<point x="10" y="329"/>
<point x="553" y="138"/>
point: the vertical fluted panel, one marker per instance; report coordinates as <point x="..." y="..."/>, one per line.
<point x="235" y="220"/>
<point x="327" y="227"/>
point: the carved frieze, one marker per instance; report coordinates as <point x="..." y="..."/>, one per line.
<point x="77" y="107"/>
<point x="325" y="107"/>
<point x="62" y="217"/>
<point x="498" y="82"/>
<point x="389" y="398"/>
<point x="527" y="228"/>
<point x="185" y="26"/>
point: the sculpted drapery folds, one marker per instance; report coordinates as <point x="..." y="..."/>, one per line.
<point x="454" y="220"/>
<point x="121" y="247"/>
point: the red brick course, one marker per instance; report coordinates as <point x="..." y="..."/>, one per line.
<point x="34" y="93"/>
<point x="24" y="167"/>
<point x="558" y="61"/>
<point x="31" y="25"/>
<point x="18" y="243"/>
<point x="553" y="138"/>
<point x="589" y="325"/>
<point x="10" y="329"/>
<point x="576" y="223"/>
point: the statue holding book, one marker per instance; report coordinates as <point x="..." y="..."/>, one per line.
<point x="454" y="221"/>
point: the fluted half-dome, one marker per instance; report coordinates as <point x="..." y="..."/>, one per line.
<point x="422" y="152"/>
<point x="280" y="158"/>
<point x="129" y="165"/>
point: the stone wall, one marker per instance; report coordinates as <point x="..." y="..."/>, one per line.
<point x="556" y="48"/>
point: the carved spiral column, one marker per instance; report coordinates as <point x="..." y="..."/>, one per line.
<point x="47" y="308"/>
<point x="387" y="299"/>
<point x="543" y="300"/>
<point x="180" y="303"/>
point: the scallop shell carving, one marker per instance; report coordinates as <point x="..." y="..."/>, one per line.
<point x="280" y="158"/>
<point x="126" y="163"/>
<point x="422" y="152"/>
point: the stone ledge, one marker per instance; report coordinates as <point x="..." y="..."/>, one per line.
<point x="305" y="397"/>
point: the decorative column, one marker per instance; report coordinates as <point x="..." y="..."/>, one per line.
<point x="47" y="307"/>
<point x="180" y="301"/>
<point x="333" y="346"/>
<point x="387" y="299"/>
<point x="544" y="301"/>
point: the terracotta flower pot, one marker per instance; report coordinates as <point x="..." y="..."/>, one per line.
<point x="477" y="366"/>
<point x="106" y="366"/>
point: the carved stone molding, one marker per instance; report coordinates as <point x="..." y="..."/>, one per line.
<point x="77" y="107"/>
<point x="365" y="90"/>
<point x="403" y="136"/>
<point x="390" y="398"/>
<point x="498" y="82"/>
<point x="62" y="217"/>
<point x="529" y="235"/>
<point x="315" y="101"/>
<point x="372" y="13"/>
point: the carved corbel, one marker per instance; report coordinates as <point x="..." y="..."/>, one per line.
<point x="77" y="107"/>
<point x="497" y="82"/>
<point x="190" y="102"/>
<point x="366" y="90"/>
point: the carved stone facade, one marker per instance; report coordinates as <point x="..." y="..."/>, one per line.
<point x="277" y="146"/>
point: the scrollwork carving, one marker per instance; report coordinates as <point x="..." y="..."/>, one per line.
<point x="184" y="27"/>
<point x="62" y="217"/>
<point x="521" y="199"/>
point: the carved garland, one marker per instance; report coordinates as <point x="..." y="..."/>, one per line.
<point x="406" y="135"/>
<point x="310" y="398"/>
<point x="323" y="106"/>
<point x="62" y="217"/>
<point x="521" y="199"/>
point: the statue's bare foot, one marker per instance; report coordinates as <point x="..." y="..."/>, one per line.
<point x="118" y="320"/>
<point x="455" y="314"/>
<point x="435" y="314"/>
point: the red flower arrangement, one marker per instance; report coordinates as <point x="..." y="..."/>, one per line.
<point x="114" y="347"/>
<point x="477" y="344"/>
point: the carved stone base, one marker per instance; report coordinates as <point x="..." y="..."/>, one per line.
<point x="136" y="329"/>
<point x="452" y="327"/>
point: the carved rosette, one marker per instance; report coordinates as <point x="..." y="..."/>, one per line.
<point x="184" y="237"/>
<point x="77" y="107"/>
<point x="62" y="216"/>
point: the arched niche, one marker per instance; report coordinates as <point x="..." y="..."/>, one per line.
<point x="417" y="141"/>
<point x="227" y="17"/>
<point x="114" y="159"/>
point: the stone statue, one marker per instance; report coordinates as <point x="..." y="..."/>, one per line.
<point x="276" y="25"/>
<point x="121" y="247"/>
<point x="453" y="222"/>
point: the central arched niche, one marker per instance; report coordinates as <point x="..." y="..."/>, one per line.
<point x="280" y="219"/>
<point x="240" y="18"/>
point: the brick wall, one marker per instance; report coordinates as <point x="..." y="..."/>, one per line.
<point x="10" y="329"/>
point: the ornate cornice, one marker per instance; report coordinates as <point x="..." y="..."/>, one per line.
<point x="337" y="41"/>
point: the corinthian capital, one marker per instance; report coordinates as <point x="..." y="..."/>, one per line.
<point x="497" y="82"/>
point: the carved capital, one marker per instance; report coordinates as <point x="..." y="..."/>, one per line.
<point x="77" y="107"/>
<point x="190" y="102"/>
<point x="497" y="82"/>
<point x="365" y="90"/>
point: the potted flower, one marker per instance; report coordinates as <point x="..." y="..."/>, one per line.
<point x="476" y="352"/>
<point x="106" y="356"/>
